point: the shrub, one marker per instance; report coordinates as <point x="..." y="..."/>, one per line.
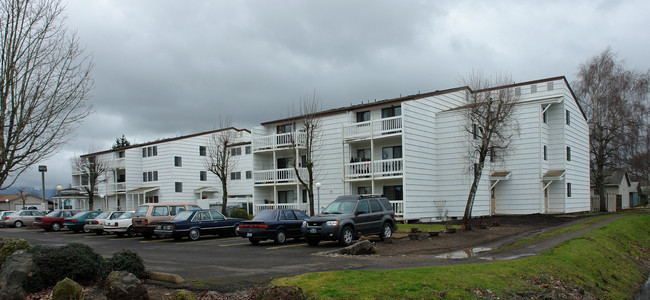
<point x="10" y="245"/>
<point x="67" y="289"/>
<point x="183" y="295"/>
<point x="239" y="213"/>
<point x="75" y="261"/>
<point x="127" y="260"/>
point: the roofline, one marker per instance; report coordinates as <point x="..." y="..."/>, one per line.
<point x="430" y="94"/>
<point x="165" y="141"/>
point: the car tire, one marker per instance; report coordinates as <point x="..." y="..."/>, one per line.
<point x="254" y="241"/>
<point x="194" y="234"/>
<point x="280" y="237"/>
<point x="312" y="242"/>
<point x="56" y="226"/>
<point x="386" y="230"/>
<point x="130" y="232"/>
<point x="119" y="234"/>
<point x="18" y="224"/>
<point x="346" y="236"/>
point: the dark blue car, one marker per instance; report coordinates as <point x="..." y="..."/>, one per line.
<point x="194" y="223"/>
<point x="275" y="224"/>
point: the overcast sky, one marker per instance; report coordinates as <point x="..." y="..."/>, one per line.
<point x="171" y="68"/>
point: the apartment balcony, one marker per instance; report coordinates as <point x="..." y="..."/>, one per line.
<point x="279" y="141"/>
<point x="116" y="187"/>
<point x="373" y="128"/>
<point x="304" y="207"/>
<point x="277" y="176"/>
<point x="117" y="163"/>
<point x="374" y="169"/>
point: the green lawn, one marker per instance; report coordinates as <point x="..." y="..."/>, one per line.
<point x="603" y="263"/>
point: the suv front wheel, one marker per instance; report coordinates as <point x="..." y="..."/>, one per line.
<point x="346" y="236"/>
<point x="386" y="230"/>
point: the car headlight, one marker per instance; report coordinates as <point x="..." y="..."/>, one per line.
<point x="332" y="223"/>
<point x="304" y="223"/>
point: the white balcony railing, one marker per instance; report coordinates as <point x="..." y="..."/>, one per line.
<point x="373" y="128"/>
<point x="278" y="176"/>
<point x="116" y="187"/>
<point x="381" y="168"/>
<point x="398" y="208"/>
<point x="117" y="163"/>
<point x="300" y="206"/>
<point x="277" y="141"/>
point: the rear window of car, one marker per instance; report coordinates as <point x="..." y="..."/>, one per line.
<point x="116" y="215"/>
<point x="126" y="215"/>
<point x="375" y="206"/>
<point x="266" y="215"/>
<point x="216" y="215"/>
<point x="287" y="215"/>
<point x="104" y="215"/>
<point x="160" y="211"/>
<point x="183" y="215"/>
<point x="66" y="214"/>
<point x="173" y="210"/>
<point x="79" y="214"/>
<point x="193" y="207"/>
<point x="55" y="213"/>
<point x="300" y="215"/>
<point x="142" y="211"/>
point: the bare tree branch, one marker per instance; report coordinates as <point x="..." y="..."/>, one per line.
<point x="92" y="170"/>
<point x="219" y="159"/>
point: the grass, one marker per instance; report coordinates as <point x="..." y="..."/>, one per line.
<point x="423" y="227"/>
<point x="603" y="263"/>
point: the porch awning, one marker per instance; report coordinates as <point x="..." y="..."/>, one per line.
<point x="552" y="175"/>
<point x="209" y="189"/>
<point x="143" y="190"/>
<point x="500" y="175"/>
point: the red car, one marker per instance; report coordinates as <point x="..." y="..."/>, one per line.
<point x="54" y="220"/>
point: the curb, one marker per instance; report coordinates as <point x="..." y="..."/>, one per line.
<point x="166" y="277"/>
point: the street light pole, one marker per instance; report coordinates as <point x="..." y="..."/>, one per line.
<point x="318" y="185"/>
<point x="43" y="169"/>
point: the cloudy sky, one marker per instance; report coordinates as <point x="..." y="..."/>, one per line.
<point x="171" y="68"/>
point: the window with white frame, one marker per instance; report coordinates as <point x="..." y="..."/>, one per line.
<point x="235" y="175"/>
<point x="178" y="187"/>
<point x="248" y="149"/>
<point x="178" y="161"/>
<point x="203" y="176"/>
<point x="249" y="174"/>
<point x="235" y="151"/>
<point x="202" y="150"/>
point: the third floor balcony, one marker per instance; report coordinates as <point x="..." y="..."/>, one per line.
<point x="279" y="141"/>
<point x="373" y="128"/>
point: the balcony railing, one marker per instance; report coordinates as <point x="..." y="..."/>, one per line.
<point x="373" y="128"/>
<point x="300" y="206"/>
<point x="117" y="163"/>
<point x="278" y="141"/>
<point x="116" y="187"/>
<point x="398" y="208"/>
<point x="278" y="176"/>
<point x="381" y="168"/>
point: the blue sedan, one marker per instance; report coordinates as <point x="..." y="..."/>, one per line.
<point x="194" y="223"/>
<point x="275" y="224"/>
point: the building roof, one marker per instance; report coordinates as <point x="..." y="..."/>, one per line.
<point x="615" y="177"/>
<point x="426" y="95"/>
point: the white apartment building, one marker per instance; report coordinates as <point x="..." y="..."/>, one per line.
<point x="413" y="149"/>
<point x="170" y="170"/>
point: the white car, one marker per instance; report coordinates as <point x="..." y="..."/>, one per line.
<point x="121" y="225"/>
<point x="97" y="224"/>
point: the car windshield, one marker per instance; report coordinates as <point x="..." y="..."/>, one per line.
<point x="183" y="215"/>
<point x="103" y="215"/>
<point x="79" y="214"/>
<point x="340" y="207"/>
<point x="142" y="211"/>
<point x="55" y="213"/>
<point x="126" y="215"/>
<point x="266" y="215"/>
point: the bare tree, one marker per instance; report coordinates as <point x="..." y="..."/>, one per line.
<point x="613" y="99"/>
<point x="491" y="123"/>
<point x="219" y="159"/>
<point x="44" y="84"/>
<point x="306" y="141"/>
<point x="92" y="170"/>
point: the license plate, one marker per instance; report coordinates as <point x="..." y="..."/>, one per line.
<point x="313" y="230"/>
<point x="250" y="234"/>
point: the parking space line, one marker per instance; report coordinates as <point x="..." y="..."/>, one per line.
<point x="94" y="236"/>
<point x="286" y="246"/>
<point x="157" y="241"/>
<point x="246" y="243"/>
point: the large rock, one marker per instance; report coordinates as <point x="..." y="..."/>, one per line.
<point x="124" y="285"/>
<point x="67" y="289"/>
<point x="360" y="248"/>
<point x="14" y="270"/>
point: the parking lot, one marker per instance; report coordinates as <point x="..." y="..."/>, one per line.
<point x="222" y="260"/>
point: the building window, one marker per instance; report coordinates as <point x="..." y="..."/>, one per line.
<point x="568" y="153"/>
<point x="178" y="187"/>
<point x="391" y="152"/>
<point x="155" y="175"/>
<point x="249" y="174"/>
<point x="178" y="161"/>
<point x="393" y="192"/>
<point x="202" y="150"/>
<point x="568" y="117"/>
<point x="518" y="91"/>
<point x="568" y="189"/>
<point x="363" y="116"/>
<point x="235" y="175"/>
<point x="203" y="175"/>
<point x="392" y="111"/>
<point x="151" y="199"/>
<point x="149" y="176"/>
<point x="120" y="154"/>
<point x="545" y="153"/>
<point x="533" y="89"/>
<point x="286" y="128"/>
<point x="235" y="151"/>
<point x="144" y="176"/>
<point x="150" y="151"/>
<point x="364" y="190"/>
<point x="248" y="149"/>
<point x="549" y="86"/>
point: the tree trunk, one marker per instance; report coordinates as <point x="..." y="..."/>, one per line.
<point x="224" y="197"/>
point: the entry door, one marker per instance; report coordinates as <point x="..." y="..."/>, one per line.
<point x="493" y="204"/>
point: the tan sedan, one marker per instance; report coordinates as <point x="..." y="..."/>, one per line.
<point x="21" y="218"/>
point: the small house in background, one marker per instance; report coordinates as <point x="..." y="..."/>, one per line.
<point x="617" y="182"/>
<point x="18" y="201"/>
<point x="634" y="194"/>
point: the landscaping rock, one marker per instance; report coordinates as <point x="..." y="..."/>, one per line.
<point x="124" y="285"/>
<point x="360" y="248"/>
<point x="14" y="270"/>
<point x="67" y="289"/>
<point x="281" y="292"/>
<point x="183" y="295"/>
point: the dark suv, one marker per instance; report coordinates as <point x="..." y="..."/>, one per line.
<point x="349" y="217"/>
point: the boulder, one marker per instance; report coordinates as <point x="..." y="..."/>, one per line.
<point x="183" y="295"/>
<point x="14" y="270"/>
<point x="281" y="292"/>
<point x="124" y="285"/>
<point x="360" y="248"/>
<point x="67" y="289"/>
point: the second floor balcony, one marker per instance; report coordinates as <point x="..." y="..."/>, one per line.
<point x="276" y="176"/>
<point x="373" y="169"/>
<point x="279" y="141"/>
<point x="373" y="128"/>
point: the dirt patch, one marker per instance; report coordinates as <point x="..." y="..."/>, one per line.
<point x="499" y="231"/>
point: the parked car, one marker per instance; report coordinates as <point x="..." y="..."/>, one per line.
<point x="53" y="221"/>
<point x="349" y="217"/>
<point x="121" y="225"/>
<point x="2" y="216"/>
<point x="194" y="223"/>
<point x="275" y="224"/>
<point x="76" y="223"/>
<point x="149" y="214"/>
<point x="21" y="218"/>
<point x="97" y="223"/>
